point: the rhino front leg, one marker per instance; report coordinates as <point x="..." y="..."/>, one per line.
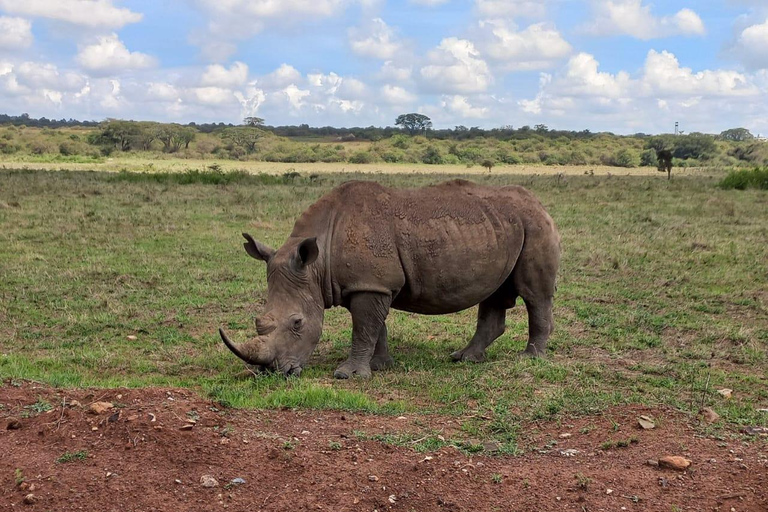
<point x="490" y="325"/>
<point x="369" y="312"/>
<point x="381" y="359"/>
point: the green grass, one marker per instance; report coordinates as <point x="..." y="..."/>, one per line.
<point x="68" y="457"/>
<point x="746" y="178"/>
<point x="661" y="298"/>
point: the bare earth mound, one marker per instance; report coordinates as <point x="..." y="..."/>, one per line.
<point x="150" y="450"/>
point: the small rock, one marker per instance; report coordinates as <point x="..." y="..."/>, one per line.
<point x="24" y="486"/>
<point x="32" y="487"/>
<point x="609" y="491"/>
<point x="652" y="463"/>
<point x="755" y="431"/>
<point x="674" y="462"/>
<point x="75" y="403"/>
<point x="491" y="446"/>
<point x="192" y="421"/>
<point x="13" y="424"/>
<point x="709" y="415"/>
<point x="177" y="481"/>
<point x="224" y="440"/>
<point x="100" y="407"/>
<point x="392" y="498"/>
<point x="94" y="428"/>
<point x="305" y="432"/>
<point x="725" y="392"/>
<point x="114" y="417"/>
<point x="402" y="418"/>
<point x="237" y="481"/>
<point x="131" y="337"/>
<point x="30" y="499"/>
<point x="565" y="435"/>
<point x="570" y="452"/>
<point x="646" y="423"/>
<point x="208" y="481"/>
<point x="373" y="478"/>
<point x="132" y="417"/>
<point x="188" y="426"/>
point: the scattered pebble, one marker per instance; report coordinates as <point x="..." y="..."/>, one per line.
<point x="709" y="415"/>
<point x="570" y="452"/>
<point x="177" y="481"/>
<point x="75" y="403"/>
<point x="208" y="481"/>
<point x="491" y="446"/>
<point x="373" y="478"/>
<point x="725" y="392"/>
<point x="652" y="462"/>
<point x="392" y="498"/>
<point x="100" y="407"/>
<point x="646" y="423"/>
<point x="609" y="491"/>
<point x="188" y="426"/>
<point x="13" y="424"/>
<point x="237" y="481"/>
<point x="131" y="337"/>
<point x="402" y="418"/>
<point x="565" y="435"/>
<point x="755" y="431"/>
<point x="30" y="499"/>
<point x="674" y="462"/>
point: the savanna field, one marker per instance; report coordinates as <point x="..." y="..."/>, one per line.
<point x="111" y="281"/>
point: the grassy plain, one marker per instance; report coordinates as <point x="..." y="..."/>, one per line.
<point x="110" y="279"/>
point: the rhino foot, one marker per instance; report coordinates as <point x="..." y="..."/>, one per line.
<point x="473" y="356"/>
<point x="381" y="363"/>
<point x="532" y="352"/>
<point x="353" y="369"/>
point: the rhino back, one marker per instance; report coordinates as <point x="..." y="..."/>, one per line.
<point x="437" y="249"/>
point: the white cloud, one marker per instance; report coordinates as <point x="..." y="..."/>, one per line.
<point x="664" y="76"/>
<point x="537" y="47"/>
<point x="632" y="18"/>
<point x="456" y="67"/>
<point x="35" y="75"/>
<point x="231" y="21"/>
<point x="376" y="40"/>
<point x="751" y="46"/>
<point x="282" y="77"/>
<point x="396" y="95"/>
<point x="110" y="55"/>
<point x="460" y="106"/>
<point x="100" y="14"/>
<point x="212" y="95"/>
<point x="217" y="75"/>
<point x="15" y="33"/>
<point x="391" y="71"/>
<point x="511" y="8"/>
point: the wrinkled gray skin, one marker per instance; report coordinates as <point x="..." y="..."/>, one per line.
<point x="433" y="250"/>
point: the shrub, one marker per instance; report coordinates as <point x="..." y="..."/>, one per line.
<point x="741" y="180"/>
<point x="432" y="155"/>
<point x="361" y="157"/>
<point x="648" y="158"/>
<point x="626" y="158"/>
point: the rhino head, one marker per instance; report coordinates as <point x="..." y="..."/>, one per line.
<point x="290" y="328"/>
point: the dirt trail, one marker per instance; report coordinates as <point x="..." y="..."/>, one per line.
<point x="136" y="457"/>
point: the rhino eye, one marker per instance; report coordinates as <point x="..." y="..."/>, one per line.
<point x="297" y="323"/>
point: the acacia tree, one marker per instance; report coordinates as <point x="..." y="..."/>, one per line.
<point x="414" y="123"/>
<point x="174" y="136"/>
<point x="245" y="137"/>
<point x="253" y="121"/>
<point x="736" y="134"/>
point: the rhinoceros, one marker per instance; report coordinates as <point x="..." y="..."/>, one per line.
<point x="433" y="250"/>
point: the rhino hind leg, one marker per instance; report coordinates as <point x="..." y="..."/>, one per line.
<point x="490" y="325"/>
<point x="369" y="312"/>
<point x="540" y="325"/>
<point x="381" y="359"/>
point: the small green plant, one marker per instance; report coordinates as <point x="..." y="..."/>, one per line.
<point x="621" y="443"/>
<point x="496" y="478"/>
<point x="225" y="431"/>
<point x="334" y="445"/>
<point x="288" y="445"/>
<point x="582" y="481"/>
<point x="19" y="476"/>
<point x="72" y="457"/>
<point x="39" y="407"/>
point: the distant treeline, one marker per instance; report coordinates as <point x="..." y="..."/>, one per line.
<point x="74" y="141"/>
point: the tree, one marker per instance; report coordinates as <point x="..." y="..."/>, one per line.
<point x="488" y="164"/>
<point x="414" y="123"/>
<point x="253" y="121"/>
<point x="736" y="135"/>
<point x="174" y="136"/>
<point x="121" y="134"/>
<point x="245" y="137"/>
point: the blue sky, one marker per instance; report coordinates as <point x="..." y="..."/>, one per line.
<point x="606" y="65"/>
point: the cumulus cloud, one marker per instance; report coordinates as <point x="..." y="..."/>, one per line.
<point x="751" y="44"/>
<point x="396" y="95"/>
<point x="217" y="75"/>
<point x="15" y="33"/>
<point x="632" y="18"/>
<point x="282" y="77"/>
<point x="459" y="106"/>
<point x="109" y="55"/>
<point x="455" y="66"/>
<point x="376" y="40"/>
<point x="102" y="14"/>
<point x="538" y="46"/>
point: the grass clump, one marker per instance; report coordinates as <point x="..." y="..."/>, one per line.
<point x="68" y="457"/>
<point x="756" y="178"/>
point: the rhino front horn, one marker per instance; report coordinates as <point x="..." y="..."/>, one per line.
<point x="248" y="352"/>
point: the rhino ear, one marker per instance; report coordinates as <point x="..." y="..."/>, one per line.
<point x="307" y="251"/>
<point x="257" y="249"/>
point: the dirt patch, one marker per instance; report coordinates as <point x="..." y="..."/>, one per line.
<point x="150" y="451"/>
